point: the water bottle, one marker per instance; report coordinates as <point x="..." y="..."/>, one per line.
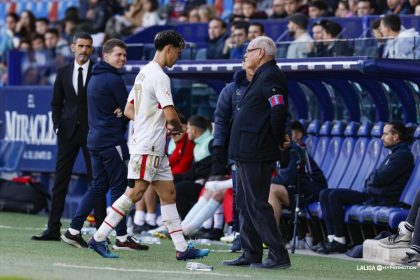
<point x="198" y="266"/>
<point x="149" y="240"/>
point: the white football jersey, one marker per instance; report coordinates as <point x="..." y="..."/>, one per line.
<point x="150" y="94"/>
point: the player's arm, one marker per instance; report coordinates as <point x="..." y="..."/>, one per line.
<point x="171" y="116"/>
<point x="129" y="110"/>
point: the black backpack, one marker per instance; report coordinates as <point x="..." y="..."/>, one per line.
<point x="29" y="197"/>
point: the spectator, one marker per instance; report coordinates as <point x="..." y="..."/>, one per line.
<point x="206" y="13"/>
<point x="217" y="37"/>
<point x="123" y="25"/>
<point x="291" y="7"/>
<point x="318" y="8"/>
<point x="249" y="10"/>
<point x="397" y="7"/>
<point x="26" y="25"/>
<point x="255" y="29"/>
<point x="11" y="22"/>
<point x="236" y="12"/>
<point x="365" y="8"/>
<point x="193" y="16"/>
<point x="412" y="4"/>
<point x="56" y="45"/>
<point x="311" y="182"/>
<point x="375" y="26"/>
<point x="69" y="28"/>
<point x="240" y="38"/>
<point x="383" y="186"/>
<point x="335" y="46"/>
<point x="400" y="43"/>
<point x="41" y="25"/>
<point x="97" y="16"/>
<point x="25" y="45"/>
<point x="7" y="39"/>
<point x="151" y="16"/>
<point x="318" y="47"/>
<point x="38" y="42"/>
<point x="183" y="17"/>
<point x="343" y="9"/>
<point x="300" y="46"/>
<point x="278" y="10"/>
<point x="408" y="235"/>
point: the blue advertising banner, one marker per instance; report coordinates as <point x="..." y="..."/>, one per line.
<point x="26" y="117"/>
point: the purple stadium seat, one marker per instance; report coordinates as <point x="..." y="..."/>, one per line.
<point x="324" y="140"/>
<point x="312" y="136"/>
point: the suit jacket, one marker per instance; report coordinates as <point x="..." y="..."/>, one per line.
<point x="68" y="108"/>
<point x="252" y="137"/>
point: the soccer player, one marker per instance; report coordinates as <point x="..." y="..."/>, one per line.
<point x="151" y="107"/>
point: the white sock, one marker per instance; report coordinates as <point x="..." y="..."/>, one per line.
<point x="402" y="228"/>
<point x="151" y="219"/>
<point x="330" y="237"/>
<point x="194" y="210"/>
<point x="219" y="185"/>
<point x="118" y="210"/>
<point x="122" y="238"/>
<point x="208" y="224"/>
<point x="74" y="231"/>
<point x="341" y="240"/>
<point x="172" y="221"/>
<point x="205" y="213"/>
<point x="219" y="217"/>
<point x="139" y="217"/>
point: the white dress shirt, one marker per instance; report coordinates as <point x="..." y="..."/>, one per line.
<point x="76" y="74"/>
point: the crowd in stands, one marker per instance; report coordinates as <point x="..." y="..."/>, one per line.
<point x="47" y="42"/>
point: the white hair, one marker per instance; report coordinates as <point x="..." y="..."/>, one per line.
<point x="267" y="44"/>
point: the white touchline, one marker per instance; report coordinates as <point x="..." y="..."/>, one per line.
<point x="109" y="268"/>
<point x="20" y="228"/>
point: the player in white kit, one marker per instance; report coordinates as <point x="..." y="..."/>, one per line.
<point x="151" y="108"/>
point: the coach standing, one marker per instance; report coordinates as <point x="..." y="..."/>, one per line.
<point x="69" y="116"/>
<point x="256" y="136"/>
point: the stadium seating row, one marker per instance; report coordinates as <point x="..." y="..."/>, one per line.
<point x="347" y="154"/>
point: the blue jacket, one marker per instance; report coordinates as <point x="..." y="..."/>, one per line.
<point x="105" y="93"/>
<point x="388" y="181"/>
<point x="258" y="126"/>
<point x="228" y="99"/>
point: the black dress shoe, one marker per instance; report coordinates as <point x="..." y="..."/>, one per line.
<point x="269" y="263"/>
<point x="241" y="261"/>
<point x="333" y="247"/>
<point x="47" y="236"/>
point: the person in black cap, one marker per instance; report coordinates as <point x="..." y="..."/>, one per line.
<point x="300" y="47"/>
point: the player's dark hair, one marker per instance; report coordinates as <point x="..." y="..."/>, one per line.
<point x="82" y="35"/>
<point x="169" y="37"/>
<point x="406" y="134"/>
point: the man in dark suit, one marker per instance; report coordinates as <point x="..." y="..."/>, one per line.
<point x="69" y="116"/>
<point x="256" y="138"/>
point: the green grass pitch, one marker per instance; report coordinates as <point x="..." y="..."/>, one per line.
<point x="21" y="258"/>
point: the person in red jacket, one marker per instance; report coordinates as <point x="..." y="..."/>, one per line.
<point x="181" y="156"/>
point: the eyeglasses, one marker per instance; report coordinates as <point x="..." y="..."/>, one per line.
<point x="251" y="50"/>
